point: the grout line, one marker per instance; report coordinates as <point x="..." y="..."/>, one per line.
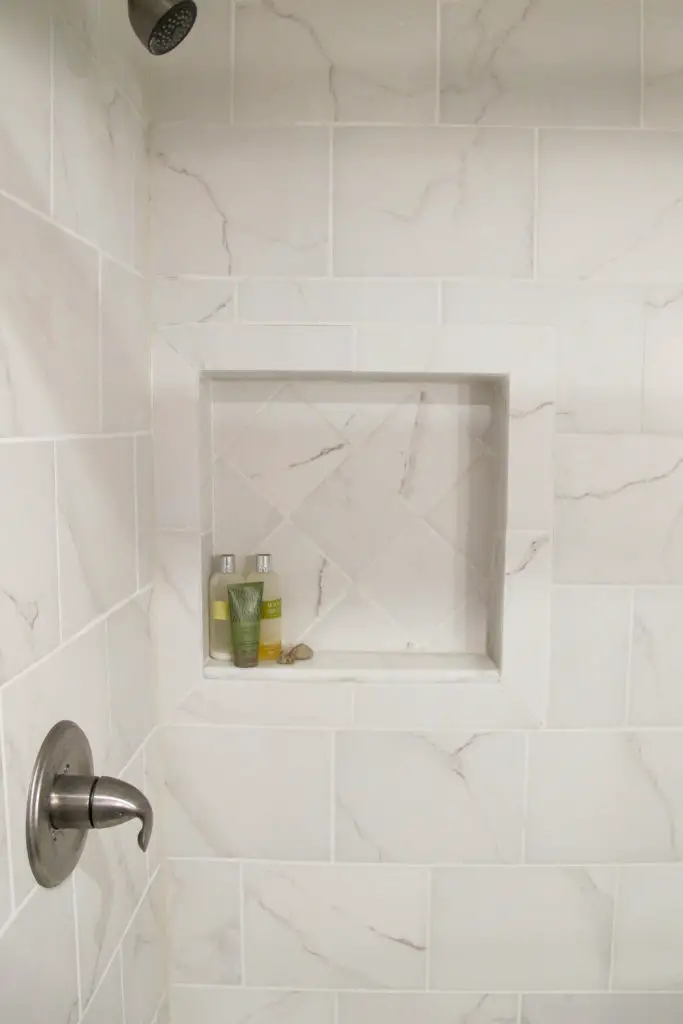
<point x="58" y="560"/>
<point x="468" y="126"/>
<point x="420" y="991"/>
<point x="77" y="944"/>
<point x="7" y="925"/>
<point x="58" y="438"/>
<point x="9" y="858"/>
<point x="520" y="1014"/>
<point x="424" y="868"/>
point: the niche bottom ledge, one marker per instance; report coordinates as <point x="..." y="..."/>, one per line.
<point x="345" y="667"/>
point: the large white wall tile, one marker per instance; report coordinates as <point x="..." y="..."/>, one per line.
<point x="303" y="61"/>
<point x="502" y="929"/>
<point x="625" y="194"/>
<point x="38" y="961"/>
<point x="335" y="926"/>
<point x="5" y="870"/>
<point x="439" y="706"/>
<point x="411" y="202"/>
<point x="71" y="685"/>
<point x="143" y="959"/>
<point x="228" y="218"/>
<point x="509" y="63"/>
<point x="604" y="797"/>
<point x="204" y="922"/>
<point x="663" y="360"/>
<point x="126" y="356"/>
<point x="429" y="798"/>
<point x="599" y="327"/>
<point x="177" y="614"/>
<point x="178" y="301"/>
<point x="617" y="509"/>
<point x="663" y="64"/>
<point x="29" y="616"/>
<point x="96" y="524"/>
<point x="256" y="702"/>
<point x="602" y="1009"/>
<point x="132" y="676"/>
<point x="280" y="809"/>
<point x="648" y="934"/>
<point x="193" y="82"/>
<point x="590" y="636"/>
<point x="330" y="301"/>
<point x="655" y="696"/>
<point x="106" y="1006"/>
<point x="233" y="1006"/>
<point x="25" y="101"/>
<point x="428" y="1008"/>
<point x="144" y="507"/>
<point x="49" y="364"/>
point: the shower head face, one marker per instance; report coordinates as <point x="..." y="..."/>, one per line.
<point x="161" y="25"/>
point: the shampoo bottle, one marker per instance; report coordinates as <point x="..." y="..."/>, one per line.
<point x="270" y="644"/>
<point x="220" y="633"/>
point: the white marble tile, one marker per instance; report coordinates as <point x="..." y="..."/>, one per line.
<point x="144" y="506"/>
<point x="25" y="101"/>
<point x="662" y="360"/>
<point x="600" y="326"/>
<point x="255" y="702"/>
<point x="70" y="685"/>
<point x="551" y="63"/>
<point x="602" y="1009"/>
<point x="280" y="809"/>
<point x="126" y="357"/>
<point x="193" y="82"/>
<point x="48" y="294"/>
<point x="39" y="954"/>
<point x="429" y="798"/>
<point x="298" y="61"/>
<point x="266" y="350"/>
<point x="625" y="193"/>
<point x="215" y="210"/>
<point x="177" y="614"/>
<point x="120" y="54"/>
<point x="132" y="676"/>
<point x="589" y="653"/>
<point x="617" y="509"/>
<point x="358" y="621"/>
<point x="95" y="131"/>
<point x="428" y="1008"/>
<point x="96" y="527"/>
<point x="177" y="301"/>
<point x="439" y="706"/>
<point x="663" y="64"/>
<point x="177" y="439"/>
<point x="106" y="1006"/>
<point x="204" y="922"/>
<point x="335" y="926"/>
<point x="655" y="696"/>
<point x="244" y="517"/>
<point x="234" y="1006"/>
<point x="29" y="615"/>
<point x="604" y="797"/>
<point x="143" y="959"/>
<point x="501" y="929"/>
<point x="411" y="202"/>
<point x="5" y="870"/>
<point x="648" y="934"/>
<point x="330" y="301"/>
<point x="153" y="757"/>
<point x="110" y="880"/>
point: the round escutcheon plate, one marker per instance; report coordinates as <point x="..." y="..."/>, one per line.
<point x="54" y="853"/>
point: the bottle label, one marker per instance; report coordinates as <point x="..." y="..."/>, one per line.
<point x="271" y="609"/>
<point x="269" y="652"/>
<point x="219" y="610"/>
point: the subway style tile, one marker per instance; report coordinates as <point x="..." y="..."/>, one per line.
<point x="602" y="1009"/>
<point x="259" y="1006"/>
<point x="656" y="658"/>
<point x="203" y="921"/>
<point x="648" y="937"/>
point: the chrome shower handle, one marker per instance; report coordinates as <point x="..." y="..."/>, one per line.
<point x="85" y="801"/>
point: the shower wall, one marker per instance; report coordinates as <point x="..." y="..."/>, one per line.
<point x="75" y="500"/>
<point x="405" y="162"/>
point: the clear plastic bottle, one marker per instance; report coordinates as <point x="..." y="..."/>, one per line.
<point x="270" y="644"/>
<point x="220" y="634"/>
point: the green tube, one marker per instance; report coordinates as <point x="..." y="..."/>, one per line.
<point x="245" y="621"/>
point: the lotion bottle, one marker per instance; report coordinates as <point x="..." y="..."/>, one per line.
<point x="270" y="644"/>
<point x="220" y="631"/>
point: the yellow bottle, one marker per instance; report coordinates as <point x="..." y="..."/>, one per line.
<point x="270" y="643"/>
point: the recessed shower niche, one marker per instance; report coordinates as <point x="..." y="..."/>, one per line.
<point x="382" y="502"/>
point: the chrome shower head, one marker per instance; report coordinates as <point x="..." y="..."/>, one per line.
<point x="161" y="25"/>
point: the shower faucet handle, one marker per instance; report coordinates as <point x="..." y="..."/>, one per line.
<point x="66" y="800"/>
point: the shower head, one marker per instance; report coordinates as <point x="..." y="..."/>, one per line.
<point x="161" y="25"/>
